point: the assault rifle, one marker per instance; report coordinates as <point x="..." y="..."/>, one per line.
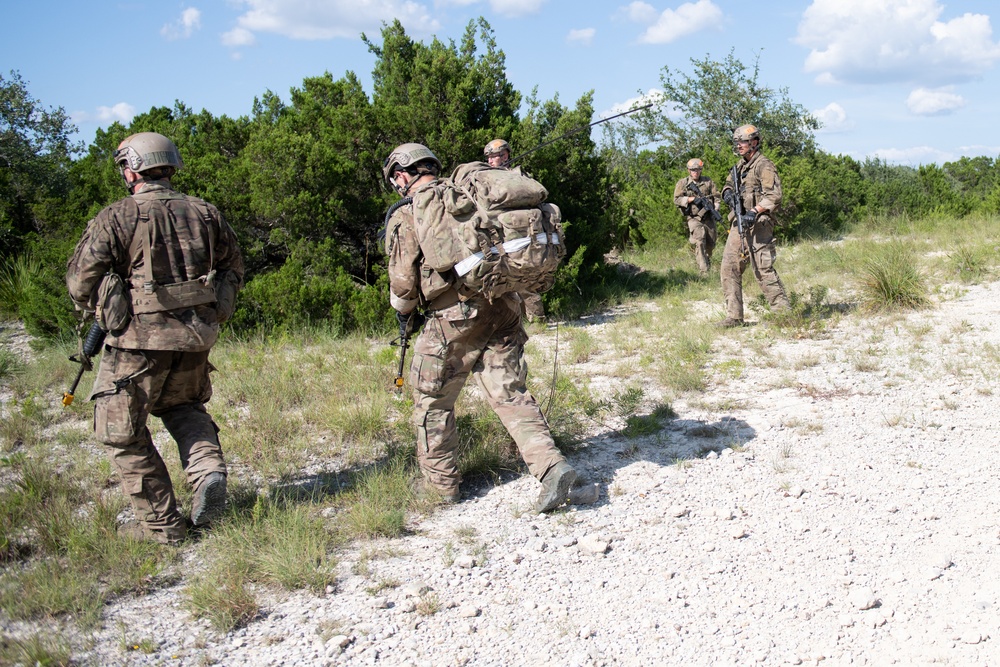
<point x="408" y="324"/>
<point x="704" y="202"/>
<point x="745" y="243"/>
<point x="91" y="346"/>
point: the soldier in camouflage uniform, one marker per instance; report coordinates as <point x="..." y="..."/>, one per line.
<point x="761" y="194"/>
<point x="701" y="224"/>
<point x="178" y="268"/>
<point x="497" y="154"/>
<point x="461" y="337"/>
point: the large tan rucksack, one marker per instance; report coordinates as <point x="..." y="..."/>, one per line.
<point x="492" y="228"/>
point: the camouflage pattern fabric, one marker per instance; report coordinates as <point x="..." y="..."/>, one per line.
<point x="487" y="340"/>
<point x="461" y="336"/>
<point x="174" y="386"/>
<point x="761" y="187"/>
<point x="187" y="232"/>
<point x="159" y="364"/>
<point x="701" y="226"/>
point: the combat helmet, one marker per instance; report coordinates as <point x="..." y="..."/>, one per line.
<point x="496" y="147"/>
<point x="746" y="133"/>
<point x="147" y="150"/>
<point x="406" y="156"/>
<point x="694" y="163"/>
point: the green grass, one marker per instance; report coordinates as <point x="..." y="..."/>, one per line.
<point x="42" y="649"/>
<point x="891" y="280"/>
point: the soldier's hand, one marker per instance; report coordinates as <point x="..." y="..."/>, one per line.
<point x="409" y="322"/>
<point x="749" y="218"/>
<point x="730" y="198"/>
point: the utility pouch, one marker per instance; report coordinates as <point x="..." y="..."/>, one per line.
<point x="113" y="311"/>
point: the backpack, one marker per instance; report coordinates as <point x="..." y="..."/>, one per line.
<point x="492" y="228"/>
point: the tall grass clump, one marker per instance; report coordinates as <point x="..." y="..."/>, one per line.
<point x="972" y="263"/>
<point x="890" y="279"/>
<point x="39" y="650"/>
<point x="60" y="550"/>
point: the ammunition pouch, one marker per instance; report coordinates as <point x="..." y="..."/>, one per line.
<point x="112" y="312"/>
<point x="178" y="296"/>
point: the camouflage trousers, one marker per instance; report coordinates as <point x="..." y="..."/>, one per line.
<point x="734" y="263"/>
<point x="702" y="236"/>
<point x="174" y="386"/>
<point x="490" y="344"/>
<point x="533" y="307"/>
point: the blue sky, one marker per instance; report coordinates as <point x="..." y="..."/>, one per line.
<point x="911" y="81"/>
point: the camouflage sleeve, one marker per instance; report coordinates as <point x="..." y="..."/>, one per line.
<point x="228" y="257"/>
<point x="681" y="194"/>
<point x="770" y="186"/>
<point x="93" y="257"/>
<point x="404" y="261"/>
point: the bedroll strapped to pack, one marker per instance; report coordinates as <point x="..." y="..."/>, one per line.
<point x="493" y="228"/>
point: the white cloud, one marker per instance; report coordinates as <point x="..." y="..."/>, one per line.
<point x="307" y="19"/>
<point x="833" y="118"/>
<point x="122" y="112"/>
<point x="939" y="102"/>
<point x="915" y="155"/>
<point x="513" y="8"/>
<point x="639" y="12"/>
<point x="584" y="36"/>
<point x="508" y="8"/>
<point x="878" y="41"/>
<point x="183" y="27"/>
<point x="654" y="96"/>
<point x="239" y="37"/>
<point x="672" y="24"/>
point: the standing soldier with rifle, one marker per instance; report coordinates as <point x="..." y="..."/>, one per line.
<point x="160" y="270"/>
<point x="461" y="336"/>
<point x="752" y="192"/>
<point x="698" y="199"/>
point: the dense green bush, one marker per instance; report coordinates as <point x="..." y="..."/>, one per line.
<point x="312" y="288"/>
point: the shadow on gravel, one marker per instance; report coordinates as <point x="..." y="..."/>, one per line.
<point x="597" y="459"/>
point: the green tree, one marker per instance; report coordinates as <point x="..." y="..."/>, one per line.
<point x="35" y="155"/>
<point x="444" y="96"/>
<point x="698" y="111"/>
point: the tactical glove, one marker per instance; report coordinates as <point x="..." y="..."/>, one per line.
<point x="409" y="322"/>
<point x="730" y="198"/>
<point x="749" y="218"/>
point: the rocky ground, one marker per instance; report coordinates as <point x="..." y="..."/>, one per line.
<point x="829" y="500"/>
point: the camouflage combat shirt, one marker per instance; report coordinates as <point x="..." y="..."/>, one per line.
<point x="761" y="185"/>
<point x="189" y="239"/>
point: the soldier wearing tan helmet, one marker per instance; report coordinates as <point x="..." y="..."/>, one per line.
<point x="161" y="270"/>
<point x="699" y="210"/>
<point x="497" y="153"/>
<point x="461" y="336"/>
<point x="759" y="196"/>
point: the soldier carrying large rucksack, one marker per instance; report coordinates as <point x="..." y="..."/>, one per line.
<point x="457" y="251"/>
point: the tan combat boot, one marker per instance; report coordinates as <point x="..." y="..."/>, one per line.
<point x="209" y="502"/>
<point x="555" y="487"/>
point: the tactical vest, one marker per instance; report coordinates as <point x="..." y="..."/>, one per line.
<point x="154" y="297"/>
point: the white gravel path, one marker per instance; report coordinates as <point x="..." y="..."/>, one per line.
<point x="840" y="507"/>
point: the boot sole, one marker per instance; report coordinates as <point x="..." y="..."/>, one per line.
<point x="561" y="493"/>
<point x="213" y="502"/>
